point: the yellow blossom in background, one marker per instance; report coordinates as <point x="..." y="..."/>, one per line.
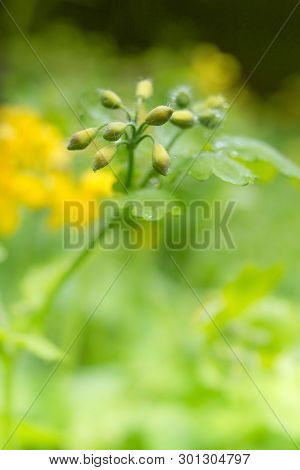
<point x="36" y="171"/>
<point x="94" y="186"/>
<point x="64" y="190"/>
<point x="30" y="190"/>
<point x="97" y="184"/>
<point x="212" y="70"/>
<point x="28" y="141"/>
<point x="61" y="188"/>
<point x="83" y="195"/>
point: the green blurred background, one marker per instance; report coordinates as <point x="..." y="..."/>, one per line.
<point x="150" y="370"/>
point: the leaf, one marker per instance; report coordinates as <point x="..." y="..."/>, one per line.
<point x="202" y="167"/>
<point x="36" y="285"/>
<point x="35" y="436"/>
<point x="250" y="285"/>
<point x="230" y="171"/>
<point x="251" y="150"/>
<point x="37" y="345"/>
<point x="178" y="166"/>
<point x="221" y="166"/>
<point x="149" y="204"/>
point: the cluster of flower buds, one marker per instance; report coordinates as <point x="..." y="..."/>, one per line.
<point x="182" y="117"/>
<point x="208" y="113"/>
<point x="212" y="111"/>
<point x="181" y="113"/>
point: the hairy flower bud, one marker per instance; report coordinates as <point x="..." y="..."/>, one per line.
<point x="104" y="156"/>
<point x="210" y="118"/>
<point x="110" y="99"/>
<point x="144" y="89"/>
<point x="182" y="98"/>
<point x="159" y="116"/>
<point x="81" y="139"/>
<point x="182" y="118"/>
<point x="160" y="159"/>
<point x="114" y="130"/>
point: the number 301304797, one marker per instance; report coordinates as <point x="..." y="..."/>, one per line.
<point x="235" y="459"/>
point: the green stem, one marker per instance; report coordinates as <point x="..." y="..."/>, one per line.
<point x="146" y="136"/>
<point x="142" y="128"/>
<point x="127" y="112"/>
<point x="73" y="266"/>
<point x="130" y="166"/>
<point x="8" y="395"/>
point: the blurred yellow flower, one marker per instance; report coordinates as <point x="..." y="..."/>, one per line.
<point x="212" y="70"/>
<point x="36" y="173"/>
<point x="28" y="141"/>
<point x="80" y="197"/>
<point x="97" y="184"/>
<point x="30" y="190"/>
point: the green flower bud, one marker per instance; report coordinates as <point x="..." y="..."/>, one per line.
<point x="160" y="159"/>
<point x="216" y="102"/>
<point x="110" y="99"/>
<point x="104" y="156"/>
<point x="114" y="130"/>
<point x="182" y="98"/>
<point x="182" y="118"/>
<point x="144" y="89"/>
<point x="210" y="118"/>
<point x="159" y="116"/>
<point x="80" y="140"/>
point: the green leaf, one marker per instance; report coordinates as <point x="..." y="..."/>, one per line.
<point x="178" y="166"/>
<point x="36" y="284"/>
<point x="221" y="166"/>
<point x="37" y="345"/>
<point x="36" y="436"/>
<point x="149" y="204"/>
<point x="202" y="167"/>
<point x="251" y="150"/>
<point x="250" y="285"/>
<point x="230" y="171"/>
